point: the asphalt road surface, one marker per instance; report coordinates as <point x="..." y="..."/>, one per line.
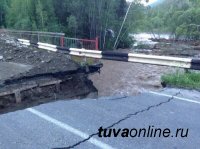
<point x="75" y="123"/>
<point x="8" y="69"/>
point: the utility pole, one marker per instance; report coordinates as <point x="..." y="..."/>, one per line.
<point x="122" y="25"/>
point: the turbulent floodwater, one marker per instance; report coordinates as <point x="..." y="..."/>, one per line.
<point x="145" y="38"/>
<point x="121" y="78"/>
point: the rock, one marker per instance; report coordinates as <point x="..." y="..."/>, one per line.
<point x="48" y="60"/>
<point x="9" y="58"/>
<point x="29" y="56"/>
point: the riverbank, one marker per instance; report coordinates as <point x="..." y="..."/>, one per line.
<point x="165" y="45"/>
<point x="186" y="80"/>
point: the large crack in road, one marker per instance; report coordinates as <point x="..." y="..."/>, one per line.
<point x="128" y="116"/>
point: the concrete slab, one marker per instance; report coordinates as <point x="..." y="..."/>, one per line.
<point x="8" y="69"/>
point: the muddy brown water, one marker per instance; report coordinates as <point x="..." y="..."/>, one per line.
<point x="122" y="78"/>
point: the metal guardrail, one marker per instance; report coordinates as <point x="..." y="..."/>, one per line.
<point x="188" y="63"/>
<point x="35" y="32"/>
<point x="35" y="36"/>
<point x="81" y="43"/>
<point x="58" y="39"/>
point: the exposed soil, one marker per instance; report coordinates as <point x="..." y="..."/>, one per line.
<point x="169" y="47"/>
<point x="42" y="60"/>
<point x="43" y="66"/>
<point x="188" y="42"/>
<point x="75" y="87"/>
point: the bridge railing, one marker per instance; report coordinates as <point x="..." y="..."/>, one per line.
<point x="80" y="43"/>
<point x="58" y="39"/>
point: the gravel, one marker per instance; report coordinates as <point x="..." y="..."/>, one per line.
<point x="43" y="61"/>
<point x="21" y="66"/>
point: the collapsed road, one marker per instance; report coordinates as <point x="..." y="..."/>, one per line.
<point x="75" y="124"/>
<point x="28" y="74"/>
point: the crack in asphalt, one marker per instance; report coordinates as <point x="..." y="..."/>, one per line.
<point x="123" y="119"/>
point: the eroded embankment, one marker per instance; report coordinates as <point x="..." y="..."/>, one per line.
<point x="30" y="76"/>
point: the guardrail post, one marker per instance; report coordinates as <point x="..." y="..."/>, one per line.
<point x="38" y="37"/>
<point x="97" y="43"/>
<point x="62" y="41"/>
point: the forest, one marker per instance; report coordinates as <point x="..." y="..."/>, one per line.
<point x="95" y="18"/>
<point x="76" y="18"/>
<point x="180" y="18"/>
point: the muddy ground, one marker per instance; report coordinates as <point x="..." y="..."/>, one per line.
<point x="43" y="61"/>
<point x="170" y="48"/>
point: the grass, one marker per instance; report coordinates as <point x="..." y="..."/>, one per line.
<point x="189" y="80"/>
<point x="84" y="61"/>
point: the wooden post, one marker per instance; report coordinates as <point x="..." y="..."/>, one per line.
<point x="57" y="87"/>
<point x="62" y="41"/>
<point x="18" y="97"/>
<point x="97" y="43"/>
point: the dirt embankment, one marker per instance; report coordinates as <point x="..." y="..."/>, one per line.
<point x="27" y="66"/>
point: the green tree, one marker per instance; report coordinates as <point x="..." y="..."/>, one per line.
<point x="3" y="10"/>
<point x="83" y="19"/>
<point x="72" y="25"/>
